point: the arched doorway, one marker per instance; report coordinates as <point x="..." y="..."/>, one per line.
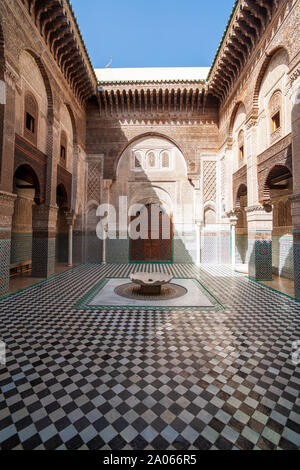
<point x="242" y="253"/>
<point x="209" y="240"/>
<point x="156" y="242"/>
<point x="278" y="188"/>
<point x="27" y="189"/>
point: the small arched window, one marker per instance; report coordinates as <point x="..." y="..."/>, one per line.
<point x="63" y="148"/>
<point x="137" y="161"/>
<point x="275" y="111"/>
<point x="31" y="118"/>
<point x="209" y="216"/>
<point x="165" y="159"/>
<point x="241" y="147"/>
<point x="151" y="160"/>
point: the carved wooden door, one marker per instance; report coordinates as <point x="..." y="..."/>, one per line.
<point x="157" y="247"/>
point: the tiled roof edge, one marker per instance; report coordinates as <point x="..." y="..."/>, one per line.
<point x="223" y="37"/>
<point x="82" y="40"/>
<point x="144" y="82"/>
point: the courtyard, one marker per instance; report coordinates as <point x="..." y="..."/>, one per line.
<point x="149" y="378"/>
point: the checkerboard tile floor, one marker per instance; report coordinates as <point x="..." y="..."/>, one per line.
<point x="123" y="379"/>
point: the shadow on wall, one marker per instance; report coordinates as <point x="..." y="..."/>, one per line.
<point x="242" y="243"/>
<point x="61" y="243"/>
<point x="121" y="250"/>
<point x="93" y="245"/>
<point x="153" y="246"/>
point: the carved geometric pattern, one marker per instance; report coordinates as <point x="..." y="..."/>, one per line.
<point x="297" y="269"/>
<point x="261" y="260"/>
<point x="139" y="380"/>
<point x="279" y="154"/>
<point x="209" y="249"/>
<point x="94" y="173"/>
<point x="4" y="265"/>
<point x="209" y="178"/>
<point x="275" y="103"/>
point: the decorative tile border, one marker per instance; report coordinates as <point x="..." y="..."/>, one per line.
<point x="84" y="302"/>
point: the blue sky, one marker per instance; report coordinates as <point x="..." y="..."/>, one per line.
<point x="152" y="33"/>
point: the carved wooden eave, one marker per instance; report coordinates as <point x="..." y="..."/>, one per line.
<point x="178" y="98"/>
<point x="57" y="25"/>
<point x="246" y="27"/>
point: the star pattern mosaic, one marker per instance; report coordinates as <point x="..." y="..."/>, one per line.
<point x="149" y="379"/>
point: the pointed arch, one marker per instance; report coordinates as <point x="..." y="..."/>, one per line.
<point x="2" y="53"/>
<point x="241" y="192"/>
<point x="277" y="173"/>
<point x="145" y="135"/>
<point x="47" y="84"/>
<point x="233" y="116"/>
<point x="262" y="71"/>
<point x="73" y="120"/>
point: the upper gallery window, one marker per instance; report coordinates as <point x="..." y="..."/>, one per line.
<point x="138" y="161"/>
<point x="63" y="148"/>
<point x="151" y="160"/>
<point x="165" y="160"/>
<point x="276" y="122"/>
<point x="241" y="142"/>
<point x="31" y="118"/>
<point x="275" y="110"/>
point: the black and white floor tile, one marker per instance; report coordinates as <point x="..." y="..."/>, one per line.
<point x="143" y="379"/>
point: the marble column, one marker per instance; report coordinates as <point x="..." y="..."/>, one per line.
<point x="198" y="228"/>
<point x="104" y="245"/>
<point x="108" y="246"/>
<point x="233" y="223"/>
<point x="260" y="225"/>
<point x="70" y="222"/>
<point x="21" y="239"/>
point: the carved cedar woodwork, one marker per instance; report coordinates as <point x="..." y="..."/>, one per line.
<point x="57" y="24"/>
<point x="248" y="23"/>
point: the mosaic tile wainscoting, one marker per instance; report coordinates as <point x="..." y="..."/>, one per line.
<point x="4" y="265"/>
<point x="149" y="379"/>
<point x="215" y="247"/>
<point x="297" y="269"/>
<point x="61" y="247"/>
<point x="43" y="255"/>
<point x="260" y="259"/>
<point x="21" y="247"/>
<point x="282" y="253"/>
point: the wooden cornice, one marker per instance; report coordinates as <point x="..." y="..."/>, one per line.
<point x="248" y="22"/>
<point x="140" y="100"/>
<point x="57" y="24"/>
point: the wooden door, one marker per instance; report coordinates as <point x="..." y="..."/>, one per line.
<point x="157" y="247"/>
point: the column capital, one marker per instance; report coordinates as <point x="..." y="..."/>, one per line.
<point x="232" y="216"/>
<point x="70" y="217"/>
<point x="107" y="183"/>
<point x="195" y="182"/>
<point x="266" y="207"/>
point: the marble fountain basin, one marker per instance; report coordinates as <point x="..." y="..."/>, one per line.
<point x="151" y="283"/>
